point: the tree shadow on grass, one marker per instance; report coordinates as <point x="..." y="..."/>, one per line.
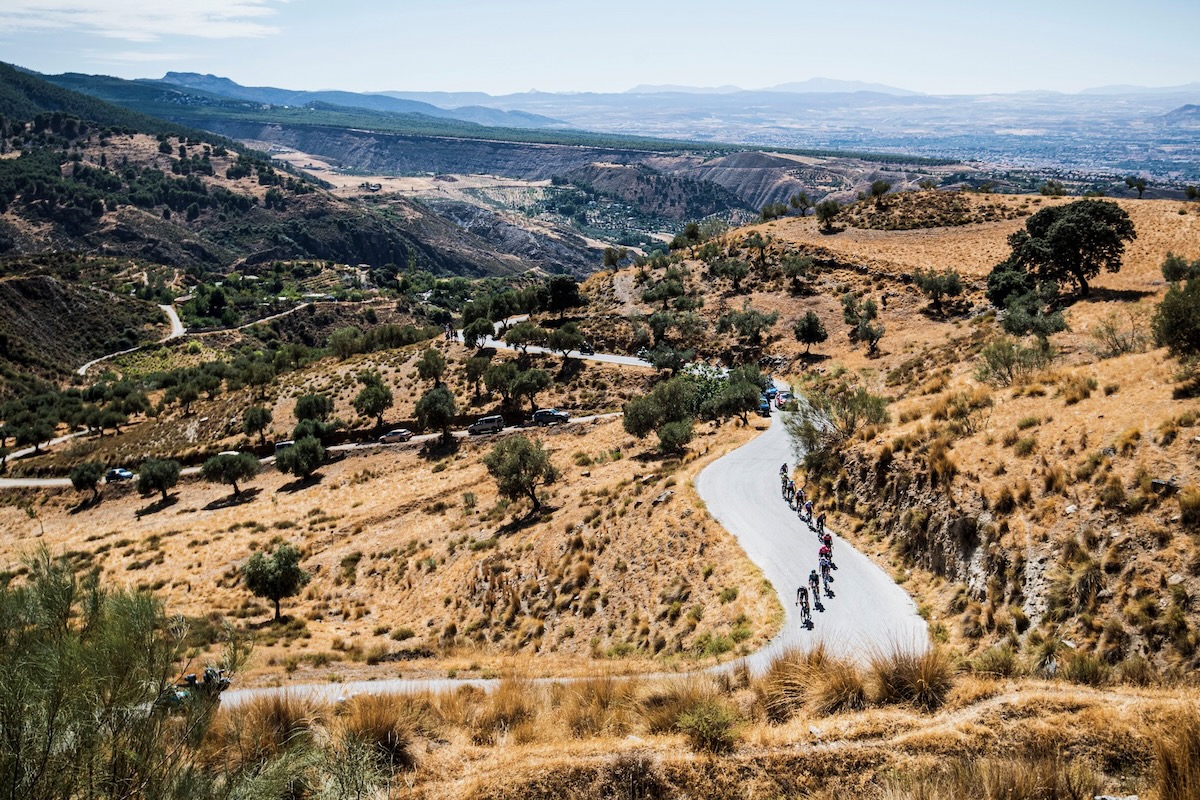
<point x="1101" y="294"/>
<point x="809" y="359"/>
<point x="570" y="370"/>
<point x="156" y="506"/>
<point x="86" y="503"/>
<point x="532" y="517"/>
<point x="439" y="448"/>
<point x="300" y="483"/>
<point x="232" y="500"/>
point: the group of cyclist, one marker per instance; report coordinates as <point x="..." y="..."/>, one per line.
<point x="821" y="577"/>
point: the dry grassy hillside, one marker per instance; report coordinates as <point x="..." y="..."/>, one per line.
<point x="415" y="557"/>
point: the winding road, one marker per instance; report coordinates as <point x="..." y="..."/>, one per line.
<point x="869" y="612"/>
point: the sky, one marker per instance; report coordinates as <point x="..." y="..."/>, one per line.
<point x="506" y="46"/>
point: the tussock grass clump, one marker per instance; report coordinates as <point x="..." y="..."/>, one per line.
<point x="999" y="661"/>
<point x="1177" y="758"/>
<point x="509" y="711"/>
<point x="1189" y="506"/>
<point x="814" y="679"/>
<point x="263" y="728"/>
<point x="601" y="704"/>
<point x="389" y="724"/>
<point x="662" y="707"/>
<point x="904" y="675"/>
<point x="1038" y="778"/>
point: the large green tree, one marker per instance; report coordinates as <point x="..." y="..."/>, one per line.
<point x="276" y="576"/>
<point x="255" y="419"/>
<point x="157" y="475"/>
<point x="1073" y="242"/>
<point x="431" y="366"/>
<point x="231" y="469"/>
<point x="374" y="398"/>
<point x="86" y="476"/>
<point x="520" y="465"/>
<point x="809" y="330"/>
<point x="303" y="458"/>
<point x="436" y="410"/>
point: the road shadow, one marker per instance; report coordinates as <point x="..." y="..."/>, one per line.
<point x="300" y="483"/>
<point x="156" y="506"/>
<point x="232" y="500"/>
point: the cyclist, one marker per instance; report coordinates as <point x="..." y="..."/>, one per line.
<point x="826" y="578"/>
<point x="791" y="490"/>
<point x="814" y="584"/>
<point x="808" y="509"/>
<point x="825" y="553"/>
<point x="783" y="469"/>
<point x="802" y="601"/>
<point x="827" y="540"/>
<point x="820" y="522"/>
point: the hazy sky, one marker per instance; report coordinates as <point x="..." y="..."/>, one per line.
<point x="501" y="46"/>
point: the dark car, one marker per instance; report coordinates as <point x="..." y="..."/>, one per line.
<point x="586" y="349"/>
<point x="549" y="416"/>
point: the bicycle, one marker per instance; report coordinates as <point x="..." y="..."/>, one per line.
<point x="802" y="601"/>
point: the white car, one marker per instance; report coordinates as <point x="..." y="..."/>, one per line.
<point x="398" y="435"/>
<point x="782" y="398"/>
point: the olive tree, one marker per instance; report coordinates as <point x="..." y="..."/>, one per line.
<point x="157" y="475"/>
<point x="520" y="465"/>
<point x="230" y="468"/>
<point x="276" y="576"/>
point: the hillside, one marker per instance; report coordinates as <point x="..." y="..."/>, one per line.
<point x="51" y="325"/>
<point x="126" y="185"/>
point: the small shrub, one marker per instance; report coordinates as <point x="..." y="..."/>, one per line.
<point x="711" y="727"/>
<point x="1086" y="669"/>
<point x="1112" y="494"/>
<point x="1000" y="661"/>
<point x="728" y="594"/>
<point x="1076" y="388"/>
<point x="1025" y="446"/>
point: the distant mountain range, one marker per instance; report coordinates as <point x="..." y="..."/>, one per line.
<point x="225" y="87"/>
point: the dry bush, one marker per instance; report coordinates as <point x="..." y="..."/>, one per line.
<point x="598" y="705"/>
<point x="1127" y="442"/>
<point x="942" y="468"/>
<point x="904" y="675"/>
<point x="262" y="728"/>
<point x="711" y="726"/>
<point x="661" y="706"/>
<point x="510" y="712"/>
<point x="389" y="724"/>
<point x="1177" y="758"/>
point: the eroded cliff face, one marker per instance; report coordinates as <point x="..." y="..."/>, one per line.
<point x="950" y="534"/>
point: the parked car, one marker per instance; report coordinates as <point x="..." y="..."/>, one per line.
<point x="586" y="349"/>
<point x="284" y="445"/>
<point x="398" y="435"/>
<point x="229" y="453"/>
<point x="764" y="406"/>
<point x="117" y="474"/>
<point x="549" y="416"/>
<point x="772" y="390"/>
<point x="782" y="399"/>
<point x="492" y="424"/>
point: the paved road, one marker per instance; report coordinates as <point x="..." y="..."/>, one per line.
<point x="741" y="490"/>
<point x="36" y="483"/>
